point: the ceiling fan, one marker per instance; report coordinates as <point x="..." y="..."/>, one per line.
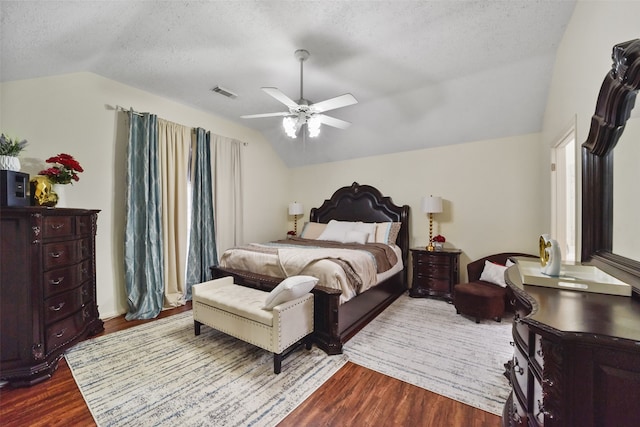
<point x="302" y="112"/>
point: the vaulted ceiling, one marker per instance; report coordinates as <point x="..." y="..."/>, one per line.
<point x="425" y="73"/>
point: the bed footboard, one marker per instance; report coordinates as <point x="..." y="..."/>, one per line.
<point x="334" y="323"/>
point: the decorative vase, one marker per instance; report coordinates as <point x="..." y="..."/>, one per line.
<point x="9" y="163"/>
<point x="438" y="245"/>
<point x="42" y="192"/>
<point x="59" y="189"/>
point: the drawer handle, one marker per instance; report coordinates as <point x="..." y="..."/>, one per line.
<point x="55" y="254"/>
<point x="517" y="368"/>
<point x="548" y="382"/>
<point x="57" y="307"/>
<point x="61" y="333"/>
<point x="56" y="281"/>
<point x="57" y="226"/>
<point x="543" y="412"/>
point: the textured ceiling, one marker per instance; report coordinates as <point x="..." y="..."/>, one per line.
<point x="425" y="73"/>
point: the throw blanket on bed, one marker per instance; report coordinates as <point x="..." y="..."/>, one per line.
<point x="384" y="256"/>
<point x="354" y="269"/>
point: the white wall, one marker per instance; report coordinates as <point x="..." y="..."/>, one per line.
<point x="74" y="114"/>
<point x="491" y="190"/>
<point x="583" y="59"/>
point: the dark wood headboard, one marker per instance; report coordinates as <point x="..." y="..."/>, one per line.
<point x="367" y="204"/>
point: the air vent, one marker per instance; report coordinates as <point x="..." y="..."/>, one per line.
<point x="225" y="92"/>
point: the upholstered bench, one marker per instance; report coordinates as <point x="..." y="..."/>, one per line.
<point x="276" y="321"/>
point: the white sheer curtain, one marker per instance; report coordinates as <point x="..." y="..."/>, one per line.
<point x="226" y="165"/>
<point x="174" y="143"/>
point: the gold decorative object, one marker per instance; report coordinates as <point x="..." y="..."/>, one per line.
<point x="42" y="192"/>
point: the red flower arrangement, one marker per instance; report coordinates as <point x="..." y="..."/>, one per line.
<point x="64" y="171"/>
<point x="439" y="238"/>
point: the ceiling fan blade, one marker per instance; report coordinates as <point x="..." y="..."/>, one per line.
<point x="256" y="116"/>
<point x="332" y="121"/>
<point x="333" y="103"/>
<point x="275" y="92"/>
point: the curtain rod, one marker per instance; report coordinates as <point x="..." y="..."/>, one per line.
<point x="127" y="110"/>
<point x="120" y="108"/>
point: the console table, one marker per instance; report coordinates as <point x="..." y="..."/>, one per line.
<point x="47" y="288"/>
<point x="576" y="358"/>
<point x="435" y="272"/>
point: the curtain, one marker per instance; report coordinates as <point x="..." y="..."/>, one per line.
<point x="174" y="143"/>
<point x="228" y="193"/>
<point x="144" y="276"/>
<point x="202" y="239"/>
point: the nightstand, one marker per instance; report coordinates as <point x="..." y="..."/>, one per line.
<point x="435" y="272"/>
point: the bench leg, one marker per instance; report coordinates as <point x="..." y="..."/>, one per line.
<point x="308" y="342"/>
<point x="277" y="363"/>
<point x="196" y="327"/>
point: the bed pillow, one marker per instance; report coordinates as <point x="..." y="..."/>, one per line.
<point x="289" y="289"/>
<point x="355" y="236"/>
<point x="366" y="227"/>
<point x="336" y="230"/>
<point x="494" y="273"/>
<point x="312" y="230"/>
<point x="387" y="232"/>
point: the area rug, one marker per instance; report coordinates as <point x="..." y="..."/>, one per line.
<point x="160" y="373"/>
<point x="425" y="343"/>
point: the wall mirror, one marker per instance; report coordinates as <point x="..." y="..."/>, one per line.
<point x="610" y="205"/>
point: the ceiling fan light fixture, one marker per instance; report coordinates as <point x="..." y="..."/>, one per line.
<point x="290" y="126"/>
<point x="313" y="126"/>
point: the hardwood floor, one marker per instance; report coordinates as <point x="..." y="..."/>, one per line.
<point x="354" y="396"/>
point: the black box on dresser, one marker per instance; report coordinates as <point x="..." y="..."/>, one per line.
<point x="47" y="288"/>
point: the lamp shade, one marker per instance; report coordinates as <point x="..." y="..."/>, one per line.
<point x="432" y="204"/>
<point x="295" y="208"/>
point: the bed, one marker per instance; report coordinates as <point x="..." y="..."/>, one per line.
<point x="336" y="321"/>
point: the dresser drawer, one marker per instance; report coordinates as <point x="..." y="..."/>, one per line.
<point x="60" y="280"/>
<point x="62" y="305"/>
<point x="58" y="226"/>
<point x="59" y="254"/>
<point x="519" y="373"/>
<point x="63" y="331"/>
<point x="83" y="249"/>
<point x="83" y="225"/>
<point x="87" y="293"/>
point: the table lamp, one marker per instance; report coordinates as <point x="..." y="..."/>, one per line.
<point x="431" y="205"/>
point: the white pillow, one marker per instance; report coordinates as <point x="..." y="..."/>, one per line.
<point x="494" y="273"/>
<point x="336" y="230"/>
<point x="366" y="227"/>
<point x="509" y="263"/>
<point x="356" y="237"/>
<point x="289" y="289"/>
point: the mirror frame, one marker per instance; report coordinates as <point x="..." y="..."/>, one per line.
<point x="615" y="102"/>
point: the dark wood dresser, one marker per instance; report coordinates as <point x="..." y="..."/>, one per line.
<point x="576" y="358"/>
<point x="435" y="272"/>
<point x="47" y="288"/>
